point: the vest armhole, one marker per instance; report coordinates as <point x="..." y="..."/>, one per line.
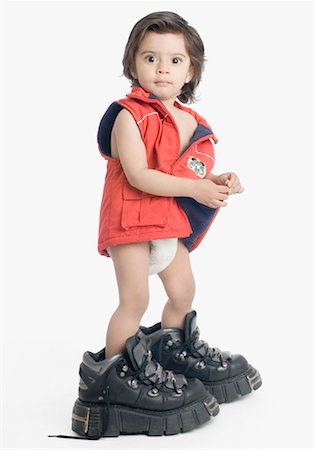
<point x="105" y="128"/>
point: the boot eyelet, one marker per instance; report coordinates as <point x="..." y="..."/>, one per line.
<point x="133" y="383"/>
<point x="200" y="365"/>
<point x="153" y="392"/>
<point x="124" y="369"/>
<point x="181" y="356"/>
<point x="223" y="366"/>
<point x="178" y="392"/>
<point x="168" y="344"/>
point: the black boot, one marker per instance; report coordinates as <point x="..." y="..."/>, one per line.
<point x="130" y="393"/>
<point x="225" y="376"/>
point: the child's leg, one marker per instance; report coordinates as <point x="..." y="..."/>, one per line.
<point x="131" y="262"/>
<point x="179" y="283"/>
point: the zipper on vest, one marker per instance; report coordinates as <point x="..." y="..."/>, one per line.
<point x="178" y="137"/>
<point x="167" y="113"/>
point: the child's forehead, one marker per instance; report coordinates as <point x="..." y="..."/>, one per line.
<point x="163" y="41"/>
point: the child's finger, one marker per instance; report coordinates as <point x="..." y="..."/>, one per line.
<point x="232" y="178"/>
<point x="223" y="189"/>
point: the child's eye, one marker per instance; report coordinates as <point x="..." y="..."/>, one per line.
<point x="150" y="58"/>
<point x="176" y="59"/>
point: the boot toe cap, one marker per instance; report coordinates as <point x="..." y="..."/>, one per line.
<point x="238" y="365"/>
<point x="195" y="391"/>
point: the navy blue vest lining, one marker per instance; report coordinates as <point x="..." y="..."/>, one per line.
<point x="154" y="97"/>
<point x="199" y="133"/>
<point x="199" y="217"/>
<point x="106" y="126"/>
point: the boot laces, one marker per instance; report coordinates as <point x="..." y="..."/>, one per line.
<point x="199" y="349"/>
<point x="160" y="377"/>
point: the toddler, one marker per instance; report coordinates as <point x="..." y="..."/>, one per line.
<point x="160" y="198"/>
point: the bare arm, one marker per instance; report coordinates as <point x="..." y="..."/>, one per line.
<point x="133" y="158"/>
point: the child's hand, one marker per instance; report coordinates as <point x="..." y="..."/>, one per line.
<point x="231" y="180"/>
<point x="209" y="193"/>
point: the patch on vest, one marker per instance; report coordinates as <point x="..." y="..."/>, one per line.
<point x="197" y="166"/>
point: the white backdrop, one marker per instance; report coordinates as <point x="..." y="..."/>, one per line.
<point x="61" y="70"/>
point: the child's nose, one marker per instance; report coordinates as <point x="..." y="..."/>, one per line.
<point x="163" y="67"/>
<point x="163" y="70"/>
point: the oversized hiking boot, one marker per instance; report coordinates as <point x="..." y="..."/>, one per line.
<point x="225" y="376"/>
<point x="130" y="393"/>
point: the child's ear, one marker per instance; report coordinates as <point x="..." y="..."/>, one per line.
<point x="190" y="75"/>
<point x="133" y="73"/>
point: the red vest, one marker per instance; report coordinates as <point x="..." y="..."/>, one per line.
<point x="130" y="215"/>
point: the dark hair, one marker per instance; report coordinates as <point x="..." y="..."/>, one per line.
<point x="167" y="22"/>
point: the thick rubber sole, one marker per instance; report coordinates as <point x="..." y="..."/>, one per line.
<point x="233" y="388"/>
<point x="94" y="420"/>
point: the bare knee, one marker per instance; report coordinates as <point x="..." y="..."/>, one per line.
<point x="178" y="279"/>
<point x="181" y="293"/>
<point x="135" y="303"/>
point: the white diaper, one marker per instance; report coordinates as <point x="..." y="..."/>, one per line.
<point x="162" y="253"/>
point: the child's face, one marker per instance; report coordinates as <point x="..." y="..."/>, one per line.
<point x="162" y="57"/>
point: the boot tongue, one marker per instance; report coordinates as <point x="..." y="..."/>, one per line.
<point x="138" y="351"/>
<point x="203" y="350"/>
<point x="189" y="328"/>
<point x="190" y="324"/>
